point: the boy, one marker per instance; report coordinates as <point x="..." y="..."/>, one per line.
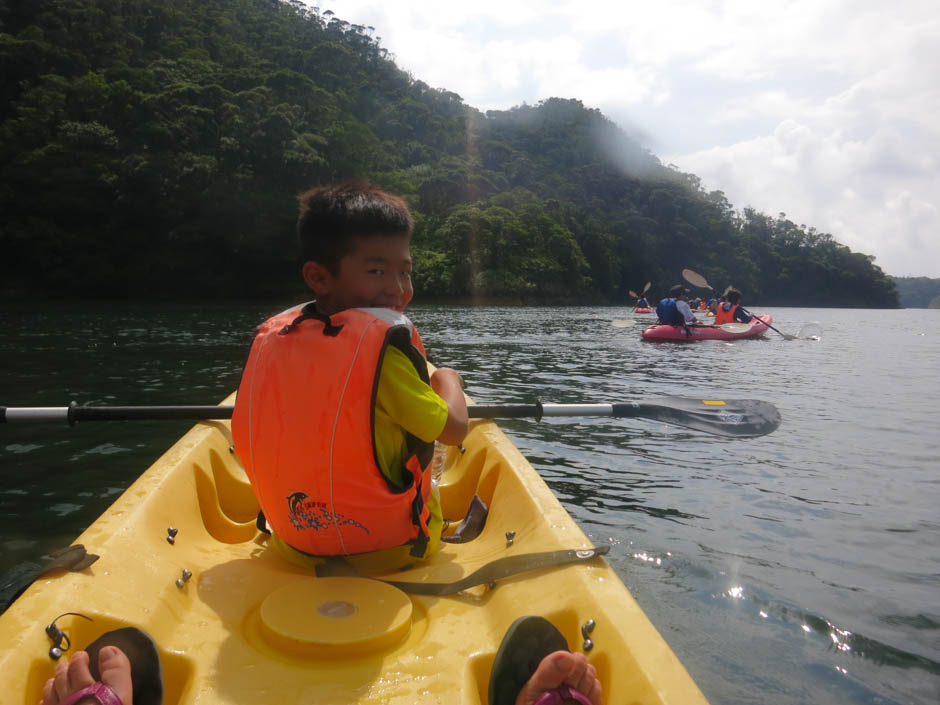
<point x="730" y="310"/>
<point x="336" y="417"/>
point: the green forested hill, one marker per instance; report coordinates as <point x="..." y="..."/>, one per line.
<point x="155" y="148"/>
<point x="918" y="292"/>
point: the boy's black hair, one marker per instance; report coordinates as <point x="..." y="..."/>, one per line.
<point x="332" y="217"/>
<point x="677" y="291"/>
<point x="734" y="296"/>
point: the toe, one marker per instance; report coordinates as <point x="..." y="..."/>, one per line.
<point x="115" y="671"/>
<point x="71" y="676"/>
<point x="48" y="693"/>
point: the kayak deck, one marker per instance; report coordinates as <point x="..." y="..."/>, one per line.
<point x="235" y="631"/>
<point x="686" y="334"/>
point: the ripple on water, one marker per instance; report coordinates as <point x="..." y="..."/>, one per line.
<point x="65" y="508"/>
<point x="102" y="449"/>
<point x="19" y="448"/>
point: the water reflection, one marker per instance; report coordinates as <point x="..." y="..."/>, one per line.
<point x="730" y="546"/>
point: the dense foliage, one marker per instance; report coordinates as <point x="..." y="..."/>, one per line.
<point x="918" y="292"/>
<point x="155" y="147"/>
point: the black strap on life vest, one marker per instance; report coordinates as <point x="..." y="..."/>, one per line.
<point x="310" y="312"/>
<point x="400" y="337"/>
<point x="262" y="523"/>
<point x="420" y="544"/>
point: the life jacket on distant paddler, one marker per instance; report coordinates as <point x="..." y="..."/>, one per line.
<point x="668" y="313"/>
<point x="303" y="428"/>
<point x="723" y="315"/>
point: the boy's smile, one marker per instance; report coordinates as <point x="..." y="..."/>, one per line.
<point x="376" y="274"/>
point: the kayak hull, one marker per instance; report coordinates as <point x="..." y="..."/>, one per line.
<point x="229" y="634"/>
<point x="691" y="334"/>
<point x="643" y="309"/>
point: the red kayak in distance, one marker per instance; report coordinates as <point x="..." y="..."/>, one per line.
<point x="643" y="309"/>
<point x="691" y="334"/>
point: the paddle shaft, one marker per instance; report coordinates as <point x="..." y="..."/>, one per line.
<point x="788" y="337"/>
<point x="740" y="418"/>
<point x="73" y="414"/>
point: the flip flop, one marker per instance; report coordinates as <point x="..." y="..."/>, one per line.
<point x="146" y="672"/>
<point x="528" y="640"/>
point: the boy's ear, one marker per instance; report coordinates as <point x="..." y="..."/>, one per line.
<point x="317" y="277"/>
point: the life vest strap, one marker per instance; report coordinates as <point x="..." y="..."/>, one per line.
<point x="309" y="312"/>
<point x="420" y="544"/>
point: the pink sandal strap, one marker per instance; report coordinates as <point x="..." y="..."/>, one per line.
<point x="558" y="695"/>
<point x="102" y="692"/>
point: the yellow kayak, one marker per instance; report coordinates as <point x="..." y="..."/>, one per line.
<point x="247" y="626"/>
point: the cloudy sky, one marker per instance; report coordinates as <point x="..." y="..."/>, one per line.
<point x="827" y="110"/>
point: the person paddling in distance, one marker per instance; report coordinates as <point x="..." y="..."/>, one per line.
<point x="335" y="417"/>
<point x="674" y="310"/>
<point x="730" y="311"/>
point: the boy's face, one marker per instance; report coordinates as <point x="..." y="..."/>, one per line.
<point x="376" y="274"/>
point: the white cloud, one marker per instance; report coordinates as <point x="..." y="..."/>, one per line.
<point x="824" y="109"/>
<point x="863" y="164"/>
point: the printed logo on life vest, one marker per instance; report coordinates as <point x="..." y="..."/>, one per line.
<point x="306" y="513"/>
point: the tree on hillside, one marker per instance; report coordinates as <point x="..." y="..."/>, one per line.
<point x="157" y="146"/>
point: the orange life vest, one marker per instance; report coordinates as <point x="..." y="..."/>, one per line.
<point x="303" y="430"/>
<point x="722" y="316"/>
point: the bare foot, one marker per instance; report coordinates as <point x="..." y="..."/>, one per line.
<point x="74" y="675"/>
<point x="562" y="667"/>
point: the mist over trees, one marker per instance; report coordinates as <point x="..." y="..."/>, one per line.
<point x="155" y="148"/>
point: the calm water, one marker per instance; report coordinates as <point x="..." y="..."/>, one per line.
<point x="800" y="567"/>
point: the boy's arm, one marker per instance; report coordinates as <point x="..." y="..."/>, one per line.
<point x="446" y="382"/>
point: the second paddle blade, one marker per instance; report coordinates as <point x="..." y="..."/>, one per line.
<point x="732" y="418"/>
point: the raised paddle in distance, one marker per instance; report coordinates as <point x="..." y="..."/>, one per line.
<point x="626" y="322"/>
<point x="642" y="293"/>
<point x="732" y="418"/>
<point x="696" y="279"/>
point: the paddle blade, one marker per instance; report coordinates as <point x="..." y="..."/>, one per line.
<point x="695" y="279"/>
<point x="622" y="322"/>
<point x="735" y="327"/>
<point x="811" y="331"/>
<point x="633" y="294"/>
<point x="647" y="287"/>
<point x="731" y="418"/>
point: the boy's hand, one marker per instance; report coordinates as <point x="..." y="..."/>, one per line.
<point x="449" y="386"/>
